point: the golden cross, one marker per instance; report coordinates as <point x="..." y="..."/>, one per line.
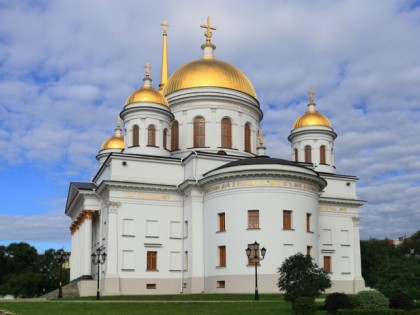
<point x="207" y="33"/>
<point x="311" y="95"/>
<point x="147" y="67"/>
<point x="164" y="27"/>
<point x="260" y="136"/>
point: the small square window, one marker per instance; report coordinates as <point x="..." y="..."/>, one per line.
<point x="221" y="284"/>
<point x="150" y="286"/>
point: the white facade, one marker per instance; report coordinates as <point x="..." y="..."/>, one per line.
<point x="179" y="221"/>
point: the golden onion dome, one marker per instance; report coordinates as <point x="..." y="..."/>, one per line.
<point x="209" y="72"/>
<point x="146" y="94"/>
<point x="116" y="141"/>
<point x="312" y="117"/>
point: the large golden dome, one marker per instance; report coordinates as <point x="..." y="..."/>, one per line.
<point x="209" y="72"/>
<point x="146" y="94"/>
<point x="115" y="142"/>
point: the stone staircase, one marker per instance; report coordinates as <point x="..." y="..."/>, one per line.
<point x="70" y="290"/>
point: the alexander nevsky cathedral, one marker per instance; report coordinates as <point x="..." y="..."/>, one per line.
<point x="184" y="186"/>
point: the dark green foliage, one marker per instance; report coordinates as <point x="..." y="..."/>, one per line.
<point x="304" y="306"/>
<point x="301" y="277"/>
<point x="401" y="300"/>
<point x="335" y="301"/>
<point x="390" y="269"/>
<point x="25" y="273"/>
<point x="371" y="300"/>
<point x="376" y="312"/>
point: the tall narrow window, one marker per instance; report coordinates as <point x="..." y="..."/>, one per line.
<point x="253" y="219"/>
<point x="165" y="139"/>
<point x="287" y="219"/>
<point x="226" y="133"/>
<point x="248" y="137"/>
<point x="151" y="260"/>
<point x="308" y="222"/>
<point x="327" y="263"/>
<point x="221" y="222"/>
<point x="308" y="154"/>
<point x="222" y="256"/>
<point x="322" y="159"/>
<point x="199" y="132"/>
<point x="136" y="132"/>
<point x="151" y="135"/>
<point x="308" y="250"/>
<point x="296" y="155"/>
<point x="174" y="136"/>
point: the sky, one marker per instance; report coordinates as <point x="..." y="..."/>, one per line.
<point x="67" y="67"/>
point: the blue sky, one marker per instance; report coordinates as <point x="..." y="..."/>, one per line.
<point x="66" y="68"/>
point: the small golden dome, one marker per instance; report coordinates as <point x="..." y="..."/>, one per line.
<point x="146" y="94"/>
<point x="115" y="142"/>
<point x="312" y="117"/>
<point x="211" y="73"/>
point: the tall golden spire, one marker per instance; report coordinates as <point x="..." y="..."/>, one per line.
<point x="164" y="74"/>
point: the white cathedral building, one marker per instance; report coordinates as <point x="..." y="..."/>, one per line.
<point x="186" y="187"/>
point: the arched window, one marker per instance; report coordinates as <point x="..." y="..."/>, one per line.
<point x="296" y="155"/>
<point x="226" y="133"/>
<point x="199" y="132"/>
<point x="174" y="136"/>
<point x="165" y="139"/>
<point x="308" y="154"/>
<point x="247" y="137"/>
<point x="322" y="159"/>
<point x="136" y="132"/>
<point x="151" y="135"/>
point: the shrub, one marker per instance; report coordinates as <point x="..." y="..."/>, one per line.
<point x="371" y="300"/>
<point x="335" y="301"/>
<point x="401" y="300"/>
<point x="304" y="306"/>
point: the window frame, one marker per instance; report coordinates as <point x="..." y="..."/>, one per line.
<point x="322" y="154"/>
<point x="226" y="133"/>
<point x="151" y="263"/>
<point x="221" y="221"/>
<point x="175" y="136"/>
<point x="308" y="154"/>
<point x="136" y="136"/>
<point x="222" y="255"/>
<point x="253" y="219"/>
<point x="151" y="135"/>
<point x="199" y="133"/>
<point x="287" y="220"/>
<point x="247" y="137"/>
<point x="327" y="264"/>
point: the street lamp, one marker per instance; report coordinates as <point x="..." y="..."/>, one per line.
<point x="61" y="257"/>
<point x="98" y="259"/>
<point x="253" y="252"/>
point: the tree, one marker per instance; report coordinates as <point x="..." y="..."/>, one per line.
<point x="301" y="276"/>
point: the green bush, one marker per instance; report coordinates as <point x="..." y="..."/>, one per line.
<point x="376" y="312"/>
<point x="401" y="300"/>
<point x="304" y="306"/>
<point x="335" y="301"/>
<point x="371" y="300"/>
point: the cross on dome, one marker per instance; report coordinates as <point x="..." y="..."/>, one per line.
<point x="147" y="69"/>
<point x="208" y="33"/>
<point x="311" y="95"/>
<point x="164" y="27"/>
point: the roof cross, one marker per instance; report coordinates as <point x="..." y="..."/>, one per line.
<point x="147" y="67"/>
<point x="311" y="95"/>
<point x="164" y="27"/>
<point x="208" y="33"/>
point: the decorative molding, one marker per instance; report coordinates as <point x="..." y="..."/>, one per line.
<point x="112" y="206"/>
<point x="356" y="221"/>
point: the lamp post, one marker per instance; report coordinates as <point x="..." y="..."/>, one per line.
<point x="253" y="252"/>
<point x="98" y="259"/>
<point x="61" y="257"/>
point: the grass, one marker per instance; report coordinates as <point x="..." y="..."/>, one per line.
<point x="154" y="304"/>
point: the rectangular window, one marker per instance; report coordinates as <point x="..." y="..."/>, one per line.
<point x="175" y="261"/>
<point x="327" y="263"/>
<point x="308" y="222"/>
<point x="326" y="237"/>
<point x="253" y="219"/>
<point x="344" y="237"/>
<point x="222" y="256"/>
<point x="221" y="284"/>
<point x="128" y="227"/>
<point x="287" y="219"/>
<point x="150" y="286"/>
<point x="152" y="228"/>
<point x="151" y="260"/>
<point x="175" y="229"/>
<point x="308" y="250"/>
<point x="221" y="222"/>
<point x="127" y="260"/>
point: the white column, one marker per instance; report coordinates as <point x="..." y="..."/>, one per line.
<point x="87" y="243"/>
<point x="359" y="283"/>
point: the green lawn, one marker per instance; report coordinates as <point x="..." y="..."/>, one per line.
<point x="167" y="304"/>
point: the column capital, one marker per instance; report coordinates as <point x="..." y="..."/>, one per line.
<point x="356" y="221"/>
<point x="88" y="214"/>
<point x="112" y="206"/>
